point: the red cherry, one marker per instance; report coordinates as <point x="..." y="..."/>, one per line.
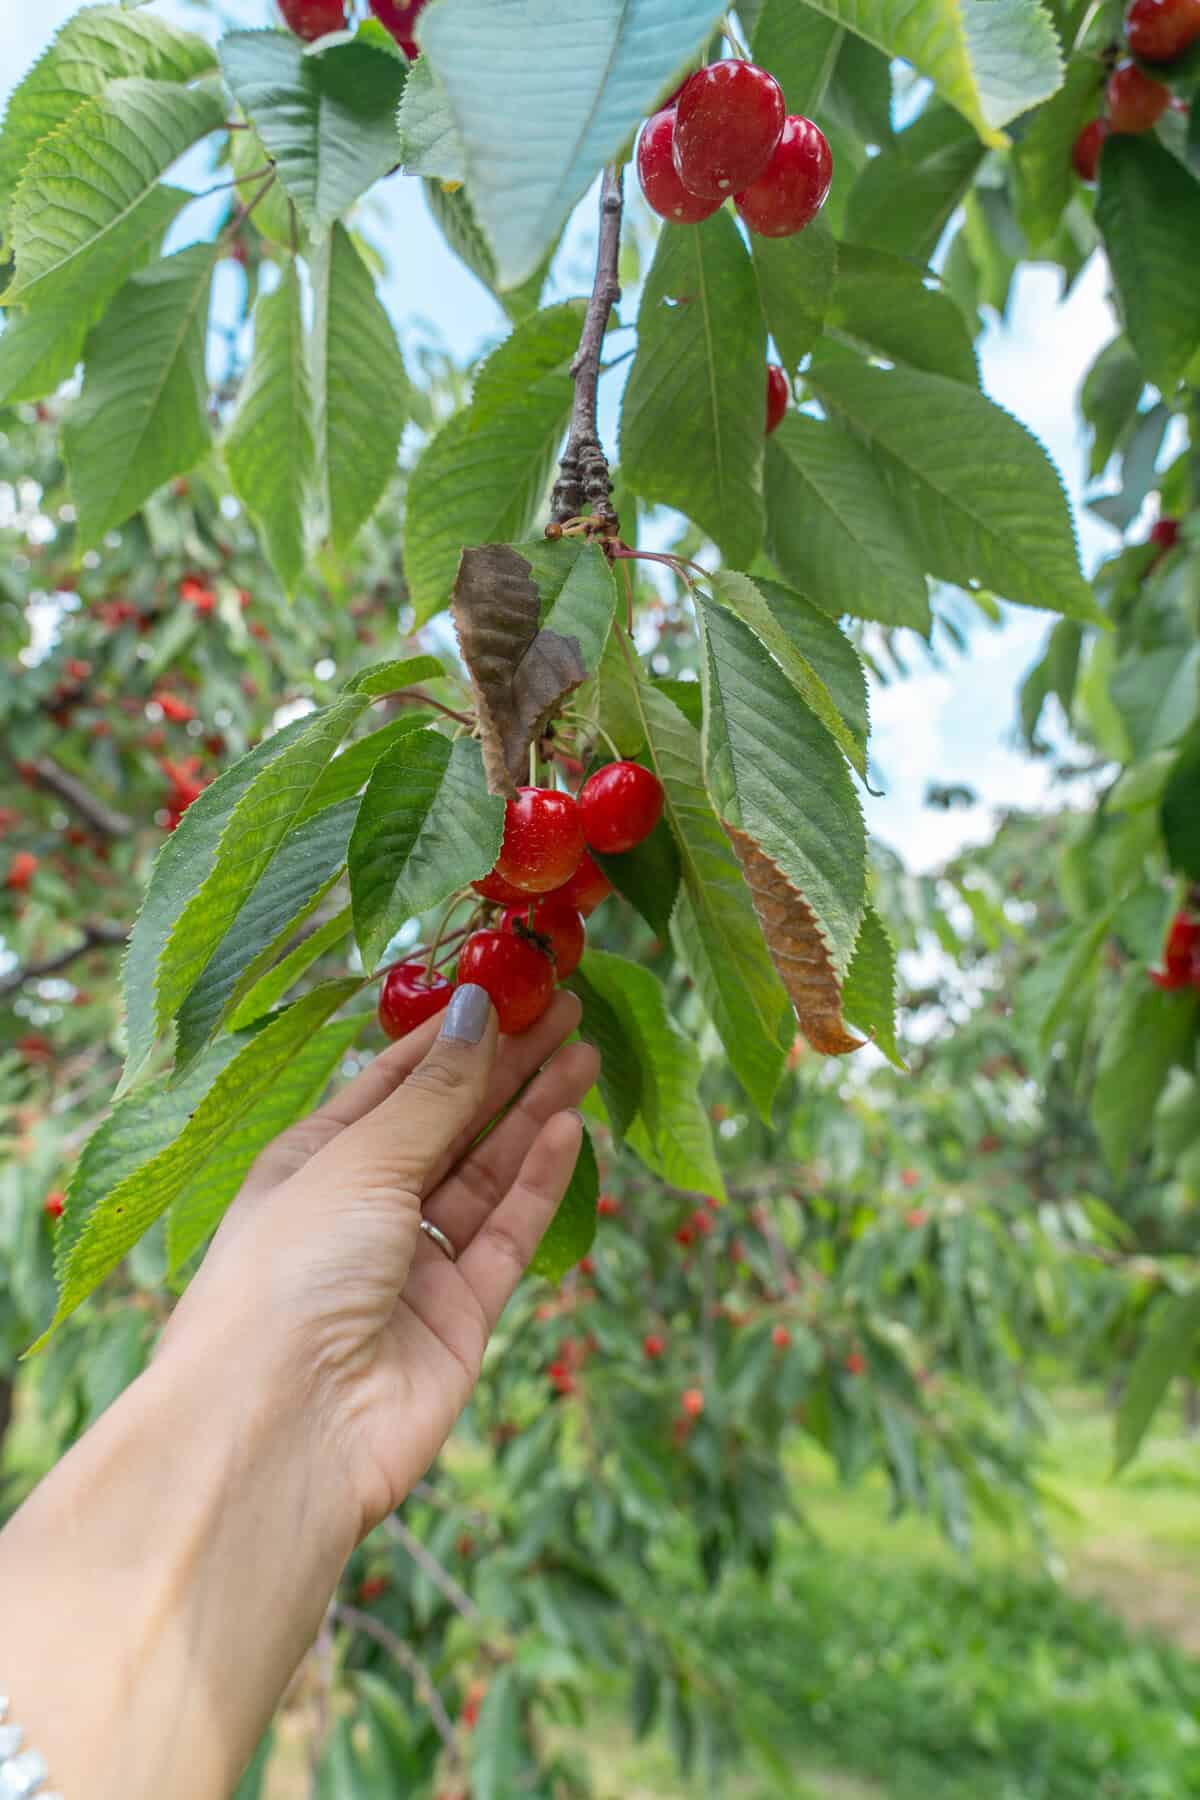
<point x="701" y="1222"/>
<point x="409" y="996"/>
<point x="693" y="1402"/>
<point x="543" y="840"/>
<point x="620" y="806"/>
<point x="1085" y="153"/>
<point x="1135" y="101"/>
<point x="653" y="1346"/>
<point x="1165" y="533"/>
<point x="518" y="978"/>
<point x="656" y="171"/>
<point x="401" y="21"/>
<point x="1159" y="30"/>
<point x="777" y="396"/>
<point x="856" y="1362"/>
<point x="21" y="871"/>
<point x="587" y="1265"/>
<point x="1181" y="954"/>
<point x="916" y="1218"/>
<point x="54" y="1204"/>
<point x="684" y="1235"/>
<point x="909" y="1178"/>
<point x="494" y="887"/>
<point x="794" y="186"/>
<point x="559" y="926"/>
<point x="781" y="1337"/>
<point x="313" y="18"/>
<point x="608" y="1206"/>
<point x="588" y="886"/>
<point x="175" y="709"/>
<point x="372" y="1589"/>
<point x="727" y="122"/>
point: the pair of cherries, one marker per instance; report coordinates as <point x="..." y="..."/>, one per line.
<point x="311" y="19"/>
<point x="1156" y="31"/>
<point x="547" y="884"/>
<point x="728" y="134"/>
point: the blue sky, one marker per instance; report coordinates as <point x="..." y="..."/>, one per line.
<point x="949" y="725"/>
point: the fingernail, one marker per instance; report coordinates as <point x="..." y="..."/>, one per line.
<point x="467" y="1014"/>
<point x="574" y="1110"/>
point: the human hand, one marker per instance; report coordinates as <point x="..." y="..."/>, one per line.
<point x="346" y="1310"/>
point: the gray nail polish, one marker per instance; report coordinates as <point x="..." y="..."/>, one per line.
<point x="467" y="1014"/>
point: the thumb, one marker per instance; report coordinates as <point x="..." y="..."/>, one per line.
<point x="400" y="1148"/>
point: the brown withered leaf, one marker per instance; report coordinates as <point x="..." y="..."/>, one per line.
<point x="797" y="948"/>
<point x="520" y="675"/>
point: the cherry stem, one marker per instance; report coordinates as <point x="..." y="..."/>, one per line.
<point x="239" y="218"/>
<point x="733" y="38"/>
<point x="414" y="697"/>
<point x="678" y="564"/>
<point x="584" y="484"/>
<point x="440" y="934"/>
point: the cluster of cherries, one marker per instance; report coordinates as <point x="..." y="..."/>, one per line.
<point x="546" y="884"/>
<point x="1181" y="957"/>
<point x="727" y="134"/>
<point x="311" y="19"/>
<point x="1156" y="31"/>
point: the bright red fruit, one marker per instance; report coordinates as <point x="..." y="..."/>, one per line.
<point x="777" y="396"/>
<point x="372" y="1589"/>
<point x="175" y="709"/>
<point x="608" y="1206"/>
<point x="401" y="21"/>
<point x="654" y="1346"/>
<point x="916" y="1218"/>
<point x="1158" y="30"/>
<point x="543" y="840"/>
<point x="494" y="887"/>
<point x="517" y="977"/>
<point x="856" y="1362"/>
<point x="1135" y="101"/>
<point x="1165" y="533"/>
<point x="620" y="806"/>
<point x="21" y="871"/>
<point x="794" y="186"/>
<point x="1085" y="152"/>
<point x="586" y="889"/>
<point x="54" y="1204"/>
<point x="313" y="18"/>
<point x="909" y="1178"/>
<point x="693" y="1402"/>
<point x="1181" y="955"/>
<point x="193" y="591"/>
<point x="728" y="120"/>
<point x="559" y="926"/>
<point x="656" y="171"/>
<point x="781" y="1337"/>
<point x="409" y="996"/>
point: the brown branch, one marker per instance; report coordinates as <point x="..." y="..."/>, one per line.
<point x="99" y="935"/>
<point x="425" y="1560"/>
<point x="584" y="485"/>
<point x="411" y="1663"/>
<point x="102" y="818"/>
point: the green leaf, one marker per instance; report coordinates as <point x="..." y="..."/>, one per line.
<point x="292" y="1095"/>
<point x="268" y="991"/>
<point x="1157" y="694"/>
<point x="429" y="143"/>
<point x="869" y="990"/>
<point x="827" y="648"/>
<point x="269" y="447"/>
<point x="748" y="603"/>
<point x="305" y="865"/>
<point x="776" y="774"/>
<point x="39" y="349"/>
<point x="359" y="384"/>
<point x="883" y="305"/>
<point x="483" y="477"/>
<point x="497" y="1742"/>
<point x="1181" y="809"/>
<point x="978" y="493"/>
<point x="860" y="91"/>
<point x="1043" y="178"/>
<point x="1148" y="210"/>
<point x="455" y="216"/>
<point x="609" y="1027"/>
<point x="87" y="200"/>
<point x="991" y="59"/>
<point x="715" y="923"/>
<point x="326" y="117"/>
<point x="153" y="1146"/>
<point x="795" y="282"/>
<point x="906" y="196"/>
<point x="571" y="100"/>
<point x="578" y="592"/>
<point x="671" y="1133"/>
<point x="1109" y="399"/>
<point x="800" y="47"/>
<point x="427" y="826"/>
<point x="834" y="528"/>
<point x="572" y="1231"/>
<point x="95" y="47"/>
<point x="393" y="676"/>
<point x="1150" y="1031"/>
<point x="1166" y="1352"/>
<point x="274" y="215"/>
<point x="143" y="414"/>
<point x="352" y="767"/>
<point x="647" y="876"/>
<point x="1078" y="971"/>
<point x="186" y="858"/>
<point x="694" y="407"/>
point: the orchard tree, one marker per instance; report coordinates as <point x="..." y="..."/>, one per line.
<point x="570" y="730"/>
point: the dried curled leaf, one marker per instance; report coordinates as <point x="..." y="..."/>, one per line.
<point x="797" y="947"/>
<point x="520" y="675"/>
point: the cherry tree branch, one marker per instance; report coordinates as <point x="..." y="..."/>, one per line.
<point x="584" y="485"/>
<point x="424" y="1558"/>
<point x="101" y="817"/>
<point x="100" y="935"/>
<point x="411" y="1663"/>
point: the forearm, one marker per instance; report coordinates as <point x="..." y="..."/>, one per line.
<point x="160" y="1587"/>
